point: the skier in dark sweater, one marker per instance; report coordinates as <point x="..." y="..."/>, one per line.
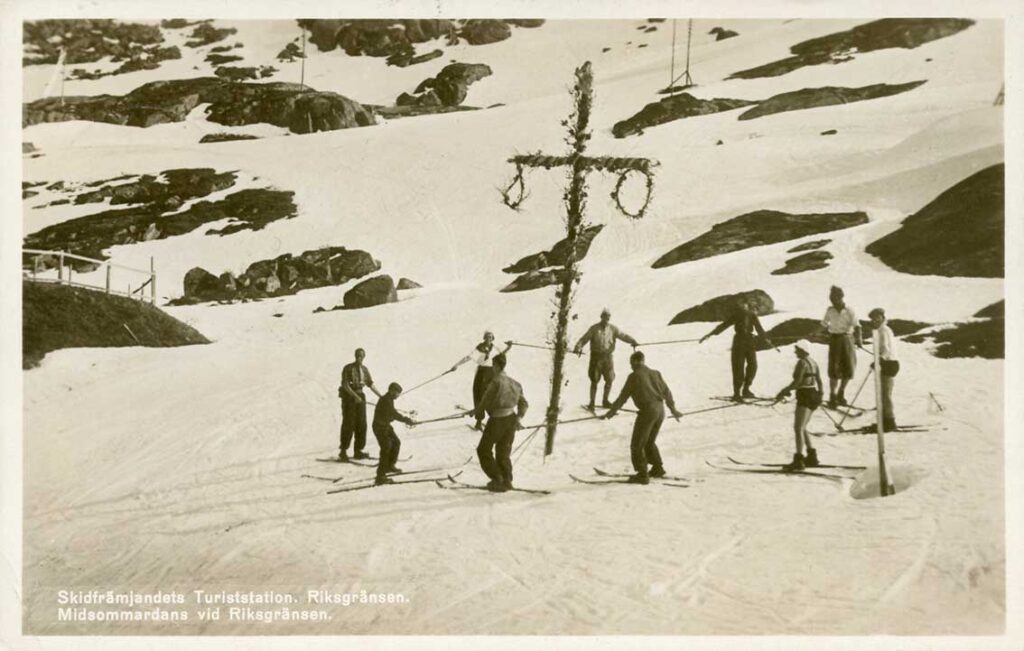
<point x="649" y="393"/>
<point x="389" y="443"/>
<point x="744" y="347"/>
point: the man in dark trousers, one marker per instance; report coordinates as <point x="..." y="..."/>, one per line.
<point x="504" y="403"/>
<point x="354" y="377"/>
<point x="649" y="393"/>
<point x="602" y="337"/>
<point x="389" y="443"/>
<point x="744" y="347"/>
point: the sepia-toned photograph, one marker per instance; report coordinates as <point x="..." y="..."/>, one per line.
<point x="441" y="325"/>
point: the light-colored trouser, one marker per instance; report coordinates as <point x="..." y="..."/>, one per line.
<point x="887" y="411"/>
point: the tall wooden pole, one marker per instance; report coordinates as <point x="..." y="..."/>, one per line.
<point x="302" y="73"/>
<point x="672" y="68"/>
<point x="884" y="487"/>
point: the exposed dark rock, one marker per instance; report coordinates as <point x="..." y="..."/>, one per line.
<point x="790" y="330"/>
<point x="829" y="132"/>
<point x="290" y="52"/>
<point x="676" y="107"/>
<point x="721" y="33"/>
<point x="805" y="262"/>
<point x="298" y="109"/>
<point x="722" y="307"/>
<point x="756" y="229"/>
<point x="448" y="88"/>
<point x="92" y="234"/>
<point x="220" y="59"/>
<point x="428" y="104"/>
<point x="876" y="35"/>
<point x="605" y="49"/>
<point x="534" y="280"/>
<point x="168" y="193"/>
<point x="26" y="194"/>
<point x="642" y="45"/>
<point x="655" y="20"/>
<point x="224" y="137"/>
<point x="985" y="339"/>
<point x="410" y="58"/>
<point x="996" y="310"/>
<point x="241" y="74"/>
<point x="959" y="233"/>
<point x="808" y="246"/>
<point x="556" y="256"/>
<point x="525" y="22"/>
<point x="280" y="276"/>
<point x="28" y="148"/>
<point x="175" y="23"/>
<point x="828" y="96"/>
<point x="86" y="40"/>
<point x="405" y="283"/>
<point x="205" y="34"/>
<point x="484" y="31"/>
<point x="375" y="291"/>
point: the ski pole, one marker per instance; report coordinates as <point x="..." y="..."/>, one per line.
<point x="839" y="427"/>
<point x="936" y="401"/>
<point x="673" y="341"/>
<point x="438" y="377"/>
<point x="516" y="343"/>
<point x="701" y="411"/>
<point x="461" y="414"/>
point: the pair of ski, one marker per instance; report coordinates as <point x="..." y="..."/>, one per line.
<point x="366" y="462"/>
<point x="455" y="484"/>
<point x="820" y="470"/>
<point x="623" y="478"/>
<point x="371" y="482"/>
<point x="848" y="411"/>
<point x="872" y="429"/>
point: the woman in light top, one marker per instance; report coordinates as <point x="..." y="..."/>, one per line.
<point x="807" y="383"/>
<point x="483" y="355"/>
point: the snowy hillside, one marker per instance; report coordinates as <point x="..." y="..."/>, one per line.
<point x="161" y="468"/>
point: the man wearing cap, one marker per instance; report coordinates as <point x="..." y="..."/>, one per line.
<point x="843" y="330"/>
<point x="890" y="365"/>
<point x="354" y="377"/>
<point x="650" y="394"/>
<point x="602" y="337"/>
<point x="383" y="415"/>
<point x="504" y="402"/>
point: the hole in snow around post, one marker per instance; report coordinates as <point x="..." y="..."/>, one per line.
<point x="902" y="477"/>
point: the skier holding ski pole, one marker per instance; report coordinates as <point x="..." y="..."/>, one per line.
<point x="602" y="337"/>
<point x="389" y="443"/>
<point x="483" y="355"/>
<point x="354" y="377"/>
<point x="744" y="347"/>
<point x="650" y="394"/>
<point x="504" y="402"/>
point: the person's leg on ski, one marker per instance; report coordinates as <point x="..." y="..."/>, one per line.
<point x="750" y="357"/>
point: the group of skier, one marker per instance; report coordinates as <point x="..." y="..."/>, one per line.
<point x="499" y="399"/>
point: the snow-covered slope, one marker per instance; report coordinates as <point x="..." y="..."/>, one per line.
<point x="164" y="468"/>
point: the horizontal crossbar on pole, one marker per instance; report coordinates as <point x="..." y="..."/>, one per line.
<point x="602" y="163"/>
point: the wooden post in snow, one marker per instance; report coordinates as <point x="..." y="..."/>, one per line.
<point x="884" y="486"/>
<point x="108" y="278"/>
<point x="152" y="281"/>
<point x="575" y="200"/>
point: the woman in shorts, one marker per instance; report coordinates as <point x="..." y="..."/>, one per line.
<point x="807" y="384"/>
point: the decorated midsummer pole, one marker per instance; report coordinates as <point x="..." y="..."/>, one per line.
<point x="884" y="487"/>
<point x="575" y="200"/>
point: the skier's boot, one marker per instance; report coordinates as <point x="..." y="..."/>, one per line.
<point x="638" y="479"/>
<point x="360" y="455"/>
<point x="747" y="393"/>
<point x="591" y="407"/>
<point x="841" y="400"/>
<point x="394" y="470"/>
<point x="736" y="397"/>
<point x="811" y="460"/>
<point x="656" y="472"/>
<point x="383" y="479"/>
<point x="797" y="464"/>
<point x="495" y="486"/>
<point x="889" y="425"/>
<point x="342" y="457"/>
<point x="832" y="402"/>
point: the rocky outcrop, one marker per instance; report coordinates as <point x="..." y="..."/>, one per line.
<point x="757" y="229"/>
<point x="959" y="233"/>
<point x="985" y="339"/>
<point x="410" y="58"/>
<point x="535" y="280"/>
<point x="375" y="291"/>
<point x="672" y="108"/>
<point x="557" y="255"/>
<point x="233" y="73"/>
<point x="168" y="192"/>
<point x="86" y="40"/>
<point x="205" y="34"/>
<point x="721" y="308"/>
<point x="296" y="108"/>
<point x="405" y="283"/>
<point x="398" y="37"/>
<point x="159" y="218"/>
<point x="448" y="88"/>
<point x="827" y="96"/>
<point x="290" y="52"/>
<point x="806" y="262"/>
<point x="140" y="60"/>
<point x="225" y="137"/>
<point x="721" y="33"/>
<point x="841" y="46"/>
<point x="280" y="276"/>
<point x="215" y="59"/>
<point x="996" y="310"/>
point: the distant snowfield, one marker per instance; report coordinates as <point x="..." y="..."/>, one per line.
<point x="181" y="468"/>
